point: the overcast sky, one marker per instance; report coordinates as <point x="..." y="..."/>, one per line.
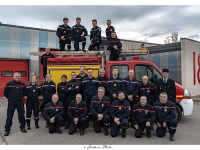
<point x="141" y="23"/>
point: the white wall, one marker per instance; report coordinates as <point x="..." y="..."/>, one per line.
<point x="189" y="46"/>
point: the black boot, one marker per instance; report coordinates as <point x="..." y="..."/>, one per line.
<point x="67" y="125"/>
<point x="83" y="49"/>
<point x="82" y="131"/>
<point x="172" y="137"/>
<point x="58" y="131"/>
<point x="105" y="130"/>
<point x="36" y="123"/>
<point x="123" y="135"/>
<point x="28" y="124"/>
<point x="148" y="134"/>
<point x="98" y="48"/>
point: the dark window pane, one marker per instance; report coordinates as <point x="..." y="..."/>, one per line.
<point x="23" y="73"/>
<point x="6" y="73"/>
<point x="123" y="70"/>
<point x="140" y="71"/>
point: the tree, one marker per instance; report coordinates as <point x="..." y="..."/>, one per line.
<point x="172" y="39"/>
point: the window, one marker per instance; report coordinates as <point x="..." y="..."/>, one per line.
<point x="157" y="75"/>
<point x="23" y="73"/>
<point x="140" y="71"/>
<point x="123" y="70"/>
<point x="6" y="73"/>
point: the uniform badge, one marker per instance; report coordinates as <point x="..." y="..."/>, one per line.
<point x="57" y="109"/>
<point x="147" y="91"/>
<point x="160" y="88"/>
<point x="17" y="87"/>
<point x="110" y="29"/>
<point x="65" y="31"/>
<point x="76" y="110"/>
<point x="115" y="84"/>
<point x="102" y="105"/>
<point x="120" y="108"/>
<point x="165" y="110"/>
<point x="131" y="86"/>
<point x="146" y="112"/>
<point x="33" y="90"/>
<point x="62" y="88"/>
<point x="77" y="30"/>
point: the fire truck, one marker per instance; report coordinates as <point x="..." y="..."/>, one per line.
<point x="65" y="62"/>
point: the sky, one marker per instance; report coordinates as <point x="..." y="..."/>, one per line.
<point x="147" y="23"/>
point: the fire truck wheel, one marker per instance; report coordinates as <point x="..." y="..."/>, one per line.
<point x="179" y="113"/>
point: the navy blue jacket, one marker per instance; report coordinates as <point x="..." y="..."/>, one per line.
<point x="149" y="91"/>
<point x="109" y="30"/>
<point x="80" y="78"/>
<point x="114" y="85"/>
<point x="140" y="115"/>
<point x="44" y="58"/>
<point x="48" y="89"/>
<point x="61" y="89"/>
<point x="52" y="110"/>
<point x="114" y="41"/>
<point x="130" y="87"/>
<point x="75" y="86"/>
<point x="77" y="31"/>
<point x="120" y="109"/>
<point x="63" y="31"/>
<point x="77" y="110"/>
<point x="15" y="91"/>
<point x="103" y="83"/>
<point x="32" y="92"/>
<point x="90" y="86"/>
<point x="164" y="112"/>
<point x="95" y="33"/>
<point x="98" y="106"/>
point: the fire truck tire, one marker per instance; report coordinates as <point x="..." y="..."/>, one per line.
<point x="179" y="113"/>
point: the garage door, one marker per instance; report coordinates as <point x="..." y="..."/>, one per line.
<point x="8" y="68"/>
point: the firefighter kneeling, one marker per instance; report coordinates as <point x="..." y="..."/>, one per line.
<point x="143" y="116"/>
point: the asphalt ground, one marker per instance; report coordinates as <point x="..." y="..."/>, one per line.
<point x="188" y="133"/>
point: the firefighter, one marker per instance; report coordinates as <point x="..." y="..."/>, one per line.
<point x="14" y="91"/>
<point x="48" y="89"/>
<point x="77" y="112"/>
<point x="82" y="74"/>
<point x="95" y="36"/>
<point x="53" y="113"/>
<point x="130" y="88"/>
<point x="119" y="112"/>
<point x="33" y="91"/>
<point x="114" y="46"/>
<point x="114" y="85"/>
<point x="61" y="89"/>
<point x="143" y="116"/>
<point x="109" y="29"/>
<point x="44" y="60"/>
<point x="100" y="108"/>
<point x="78" y="36"/>
<point x="72" y="88"/>
<point x="64" y="35"/>
<point x="103" y="80"/>
<point x="165" y="116"/>
<point x="147" y="89"/>
<point x="167" y="85"/>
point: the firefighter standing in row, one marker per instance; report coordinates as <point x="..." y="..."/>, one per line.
<point x="119" y="112"/>
<point x="48" y="89"/>
<point x="64" y="35"/>
<point x="95" y="36"/>
<point x="109" y="29"/>
<point x="103" y="80"/>
<point x="147" y="89"/>
<point x="165" y="116"/>
<point x="33" y="90"/>
<point x="77" y="112"/>
<point x="81" y="76"/>
<point x="61" y="89"/>
<point x="53" y="113"/>
<point x="100" y="108"/>
<point x="114" y="85"/>
<point x="44" y="58"/>
<point x="72" y="89"/>
<point x="167" y="85"/>
<point x="78" y="34"/>
<point x="14" y="91"/>
<point x="143" y="116"/>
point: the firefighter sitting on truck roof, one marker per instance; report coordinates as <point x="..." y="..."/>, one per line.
<point x="73" y="87"/>
<point x="44" y="60"/>
<point x="114" y="46"/>
<point x="78" y="36"/>
<point x="95" y="36"/>
<point x="109" y="29"/>
<point x="64" y="35"/>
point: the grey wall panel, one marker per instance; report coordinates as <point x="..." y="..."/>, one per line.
<point x="14" y="42"/>
<point x="52" y="39"/>
<point x="24" y="43"/>
<point x="4" y="42"/>
<point x="164" y="60"/>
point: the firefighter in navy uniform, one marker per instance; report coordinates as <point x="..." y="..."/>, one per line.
<point x="114" y="46"/>
<point x="119" y="112"/>
<point x="143" y="116"/>
<point x="165" y="116"/>
<point x="147" y="89"/>
<point x="109" y="29"/>
<point x="53" y="113"/>
<point x="114" y="85"/>
<point x="61" y="89"/>
<point x="103" y="80"/>
<point x="72" y="88"/>
<point x="64" y="35"/>
<point x="44" y="58"/>
<point x="81" y="76"/>
<point x="14" y="91"/>
<point x="100" y="108"/>
<point x="48" y="89"/>
<point x="95" y="36"/>
<point x="78" y="36"/>
<point x="33" y="90"/>
<point x="77" y="112"/>
<point x="166" y="85"/>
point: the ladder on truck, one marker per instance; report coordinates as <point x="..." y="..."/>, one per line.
<point x="102" y="54"/>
